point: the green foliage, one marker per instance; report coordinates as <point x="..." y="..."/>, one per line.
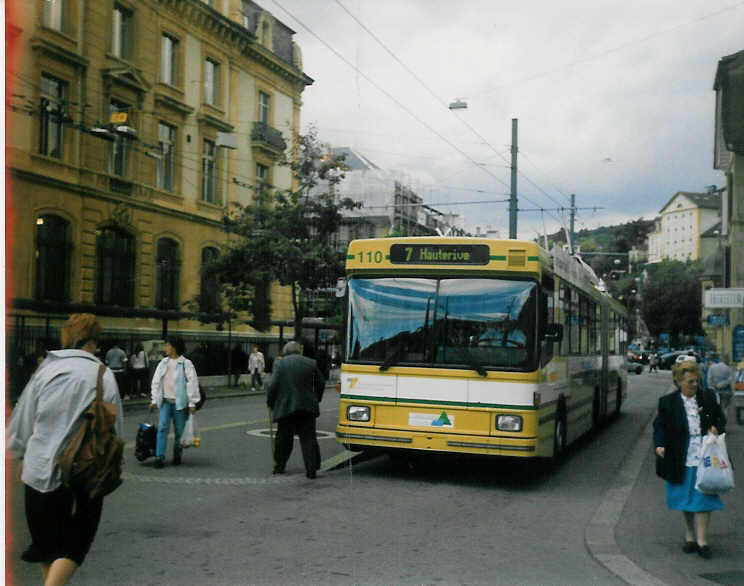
<point x="672" y="300"/>
<point x="285" y="236"/>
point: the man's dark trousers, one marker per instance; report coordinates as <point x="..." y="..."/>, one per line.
<point x="302" y="424"/>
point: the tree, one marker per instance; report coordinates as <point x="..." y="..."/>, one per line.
<point x="671" y="298"/>
<point x="285" y="236"/>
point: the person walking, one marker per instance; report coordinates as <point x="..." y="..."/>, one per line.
<point x="683" y="417"/>
<point x="62" y="521"/>
<point x="175" y="391"/>
<point x="256" y="366"/>
<point x="140" y="365"/>
<point x="720" y="381"/>
<point x="294" y="395"/>
<point x="653" y="362"/>
<point x="116" y="360"/>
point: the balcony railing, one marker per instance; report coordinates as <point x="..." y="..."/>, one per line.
<point x="268" y="138"/>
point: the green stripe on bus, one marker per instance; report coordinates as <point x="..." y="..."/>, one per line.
<point x="533" y="258"/>
<point x="497" y="257"/>
<point x="434" y="403"/>
<point x="349" y="257"/>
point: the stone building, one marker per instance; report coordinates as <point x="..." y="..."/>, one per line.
<point x="132" y="125"/>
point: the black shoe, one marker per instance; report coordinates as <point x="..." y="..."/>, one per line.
<point x="177" y="460"/>
<point x="311" y="475"/>
<point x="277" y="470"/>
<point x="704" y="552"/>
<point x="690" y="547"/>
<point x="159" y="463"/>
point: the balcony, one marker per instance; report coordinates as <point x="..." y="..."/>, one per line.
<point x="266" y="138"/>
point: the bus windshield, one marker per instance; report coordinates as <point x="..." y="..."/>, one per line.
<point x="473" y="323"/>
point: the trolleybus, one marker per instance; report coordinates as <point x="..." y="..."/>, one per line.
<point x="478" y="346"/>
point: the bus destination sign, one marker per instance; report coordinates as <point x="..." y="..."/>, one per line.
<point x="439" y="254"/>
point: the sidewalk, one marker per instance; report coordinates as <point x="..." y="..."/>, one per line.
<point x="226" y="392"/>
<point x="650" y="536"/>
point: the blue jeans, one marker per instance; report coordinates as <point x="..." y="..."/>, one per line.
<point x="256" y="376"/>
<point x="167" y="412"/>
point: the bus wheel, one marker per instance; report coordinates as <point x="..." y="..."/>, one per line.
<point x="559" y="437"/>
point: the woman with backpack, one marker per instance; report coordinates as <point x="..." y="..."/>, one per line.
<point x="175" y="391"/>
<point x="62" y="521"/>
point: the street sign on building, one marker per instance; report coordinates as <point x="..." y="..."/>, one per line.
<point x="717" y="320"/>
<point x="723" y="298"/>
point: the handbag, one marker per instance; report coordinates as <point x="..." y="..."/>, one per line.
<point x="714" y="473"/>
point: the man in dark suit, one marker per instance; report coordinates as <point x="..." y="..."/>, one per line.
<point x="294" y="395"/>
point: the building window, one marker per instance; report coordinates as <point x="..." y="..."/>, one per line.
<point x="264" y="103"/>
<point x="166" y="163"/>
<point x="262" y="180"/>
<point x="168" y="59"/>
<point x="54" y="11"/>
<point x="211" y="82"/>
<point x="115" y="252"/>
<point x="121" y="39"/>
<point x="52" y="258"/>
<point x="265" y="33"/>
<point x="51" y="116"/>
<point x="209" y="292"/>
<point x="209" y="171"/>
<point x="246" y="14"/>
<point x="120" y="146"/>
<point x="166" y="293"/>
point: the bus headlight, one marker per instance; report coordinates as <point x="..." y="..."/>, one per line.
<point x="357" y="413"/>
<point x="509" y="422"/>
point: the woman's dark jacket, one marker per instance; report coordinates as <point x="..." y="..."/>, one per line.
<point x="671" y="431"/>
<point x="296" y="387"/>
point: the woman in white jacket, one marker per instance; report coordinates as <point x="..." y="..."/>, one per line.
<point x="62" y="521"/>
<point x="175" y="388"/>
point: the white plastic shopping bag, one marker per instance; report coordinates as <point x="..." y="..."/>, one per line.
<point x="714" y="474"/>
<point x="190" y="436"/>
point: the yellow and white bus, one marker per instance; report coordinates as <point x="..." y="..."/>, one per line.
<point x="479" y="346"/>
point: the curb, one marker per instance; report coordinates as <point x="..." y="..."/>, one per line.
<point x="135" y="403"/>
<point x="599" y="534"/>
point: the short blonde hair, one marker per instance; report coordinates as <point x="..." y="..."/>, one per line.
<point x="681" y="368"/>
<point x="78" y="329"/>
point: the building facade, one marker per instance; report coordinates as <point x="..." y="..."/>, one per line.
<point x="132" y="127"/>
<point x="728" y="157"/>
<point x="681" y="222"/>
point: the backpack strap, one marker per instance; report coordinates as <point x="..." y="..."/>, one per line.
<point x="99" y="383"/>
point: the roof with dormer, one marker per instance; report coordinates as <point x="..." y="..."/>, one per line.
<point x="710" y="199"/>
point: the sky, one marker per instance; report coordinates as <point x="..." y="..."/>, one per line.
<point x="614" y="99"/>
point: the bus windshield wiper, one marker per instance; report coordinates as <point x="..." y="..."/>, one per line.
<point x="471" y="361"/>
<point x="388" y="362"/>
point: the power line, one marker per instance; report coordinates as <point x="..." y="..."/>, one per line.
<point x="388" y="94"/>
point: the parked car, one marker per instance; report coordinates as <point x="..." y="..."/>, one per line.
<point x="633" y="366"/>
<point x="667" y="360"/>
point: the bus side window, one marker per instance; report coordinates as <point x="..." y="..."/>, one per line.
<point x="546" y="317"/>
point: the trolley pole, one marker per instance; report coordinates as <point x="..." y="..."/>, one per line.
<point x="573" y="219"/>
<point x="513" y="197"/>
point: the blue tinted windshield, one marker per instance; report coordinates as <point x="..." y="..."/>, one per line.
<point x="469" y="323"/>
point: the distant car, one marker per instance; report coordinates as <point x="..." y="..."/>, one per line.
<point x="667" y="360"/>
<point x="632" y="366"/>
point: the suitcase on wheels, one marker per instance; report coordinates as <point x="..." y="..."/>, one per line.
<point x="145" y="443"/>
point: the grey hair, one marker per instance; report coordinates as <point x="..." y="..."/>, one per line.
<point x="292" y="348"/>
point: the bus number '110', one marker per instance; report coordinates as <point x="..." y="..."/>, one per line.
<point x="371" y="256"/>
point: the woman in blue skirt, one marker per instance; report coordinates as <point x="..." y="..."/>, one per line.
<point x="684" y="417"/>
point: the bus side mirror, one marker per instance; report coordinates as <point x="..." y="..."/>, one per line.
<point x="553" y="333"/>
